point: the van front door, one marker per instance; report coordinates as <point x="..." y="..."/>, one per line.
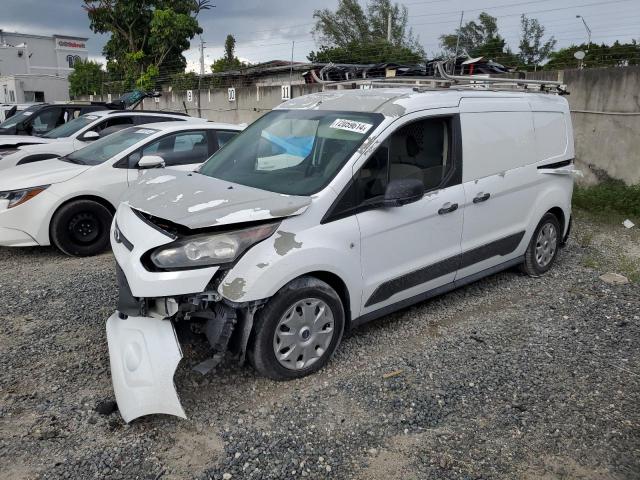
<point x="409" y="250"/>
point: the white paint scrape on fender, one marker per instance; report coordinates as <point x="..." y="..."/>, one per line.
<point x="144" y="354"/>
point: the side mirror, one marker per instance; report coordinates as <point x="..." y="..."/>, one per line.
<point x="151" y="161"/>
<point x="403" y="191"/>
<point x="90" y="135"/>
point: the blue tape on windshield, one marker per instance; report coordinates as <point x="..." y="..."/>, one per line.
<point x="298" y="146"/>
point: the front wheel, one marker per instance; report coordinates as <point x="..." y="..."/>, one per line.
<point x="543" y="247"/>
<point x="298" y="330"/>
<point x="81" y="228"/>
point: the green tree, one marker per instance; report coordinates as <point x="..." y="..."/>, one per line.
<point x="479" y="39"/>
<point x="86" y="78"/>
<point x="184" y="81"/>
<point x="597" y="56"/>
<point x="229" y="61"/>
<point x="147" y="36"/>
<point x="533" y="51"/>
<point x="353" y="35"/>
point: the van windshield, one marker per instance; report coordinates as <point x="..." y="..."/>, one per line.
<point x="105" y="148"/>
<point x="294" y="152"/>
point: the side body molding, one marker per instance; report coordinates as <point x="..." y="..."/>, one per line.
<point x="501" y="247"/>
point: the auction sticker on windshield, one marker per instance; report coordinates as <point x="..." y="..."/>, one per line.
<point x="351" y="125"/>
<point x="146" y="131"/>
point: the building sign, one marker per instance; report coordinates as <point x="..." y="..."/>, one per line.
<point x="286" y="92"/>
<point x="71" y="44"/>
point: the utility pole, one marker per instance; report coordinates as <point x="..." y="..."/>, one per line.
<point x="455" y="59"/>
<point x="389" y="26"/>
<point x="201" y="75"/>
<point x="293" y="44"/>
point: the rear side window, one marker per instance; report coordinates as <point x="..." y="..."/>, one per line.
<point x="551" y="134"/>
<point x="182" y="148"/>
<point x="47" y="120"/>
<point x="112" y="122"/>
<point x="224" y="137"/>
<point x="494" y="142"/>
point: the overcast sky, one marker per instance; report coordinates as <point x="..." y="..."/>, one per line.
<point x="265" y="29"/>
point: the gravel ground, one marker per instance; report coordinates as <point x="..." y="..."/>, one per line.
<point x="511" y="377"/>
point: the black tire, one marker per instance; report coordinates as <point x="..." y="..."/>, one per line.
<point x="532" y="266"/>
<point x="81" y="228"/>
<point x="261" y="352"/>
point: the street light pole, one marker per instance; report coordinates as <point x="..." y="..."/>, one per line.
<point x="588" y="35"/>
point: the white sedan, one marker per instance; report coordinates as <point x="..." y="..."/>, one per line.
<point x="70" y="201"/>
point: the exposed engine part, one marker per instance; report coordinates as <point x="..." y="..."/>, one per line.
<point x="247" y="326"/>
<point x="218" y="327"/>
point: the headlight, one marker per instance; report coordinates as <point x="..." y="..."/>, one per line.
<point x="17" y="197"/>
<point x="210" y="249"/>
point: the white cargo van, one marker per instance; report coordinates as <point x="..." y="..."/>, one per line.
<point x="330" y="211"/>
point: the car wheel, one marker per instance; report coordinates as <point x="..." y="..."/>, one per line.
<point x="81" y="228"/>
<point x="298" y="330"/>
<point x="543" y="247"/>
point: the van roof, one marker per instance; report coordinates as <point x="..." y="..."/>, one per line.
<point x="400" y="101"/>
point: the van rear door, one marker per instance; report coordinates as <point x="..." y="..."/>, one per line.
<point x="499" y="180"/>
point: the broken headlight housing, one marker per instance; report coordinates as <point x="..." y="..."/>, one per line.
<point x="210" y="248"/>
<point x="18" y="197"/>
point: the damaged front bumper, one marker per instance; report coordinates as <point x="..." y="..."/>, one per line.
<point x="144" y="353"/>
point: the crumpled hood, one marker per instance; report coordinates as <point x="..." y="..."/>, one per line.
<point x="13" y="141"/>
<point x="46" y="172"/>
<point x="196" y="201"/>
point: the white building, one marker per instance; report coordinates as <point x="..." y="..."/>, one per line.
<point x="34" y="68"/>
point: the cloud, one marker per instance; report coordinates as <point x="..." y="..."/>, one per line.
<point x="264" y="30"/>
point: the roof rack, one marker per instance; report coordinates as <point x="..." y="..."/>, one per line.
<point x="445" y="80"/>
<point x="165" y="112"/>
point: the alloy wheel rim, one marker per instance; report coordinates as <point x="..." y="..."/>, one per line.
<point x="546" y="245"/>
<point x="303" y="334"/>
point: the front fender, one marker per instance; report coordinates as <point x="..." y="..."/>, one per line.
<point x="333" y="247"/>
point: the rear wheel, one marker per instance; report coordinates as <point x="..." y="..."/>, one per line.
<point x="81" y="228"/>
<point x="543" y="247"/>
<point x="298" y="330"/>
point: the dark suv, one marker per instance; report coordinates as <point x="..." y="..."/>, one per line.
<point x="39" y="119"/>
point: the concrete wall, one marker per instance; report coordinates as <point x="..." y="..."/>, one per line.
<point x="605" y="105"/>
<point x="250" y="104"/>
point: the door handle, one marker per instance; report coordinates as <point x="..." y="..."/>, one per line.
<point x="448" y="208"/>
<point x="482" y="198"/>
